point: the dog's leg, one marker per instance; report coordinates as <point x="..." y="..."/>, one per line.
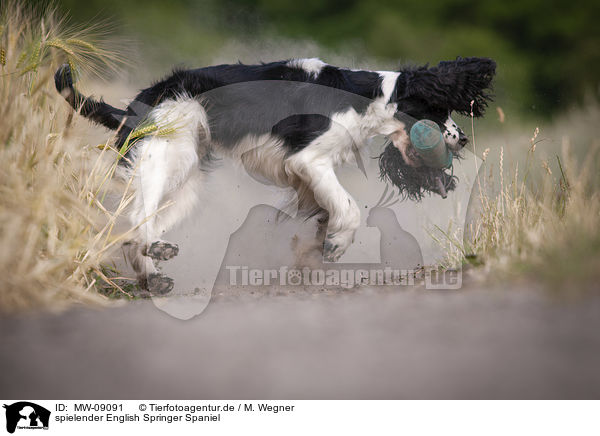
<point x="148" y="249"/>
<point x="165" y="165"/>
<point x="165" y="184"/>
<point x="344" y="214"/>
<point x="149" y="191"/>
<point x="182" y="202"/>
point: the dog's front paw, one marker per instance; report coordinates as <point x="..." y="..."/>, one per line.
<point x="159" y="284"/>
<point x="162" y="250"/>
<point x="336" y="244"/>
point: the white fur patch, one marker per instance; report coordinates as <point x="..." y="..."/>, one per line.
<point x="388" y="83"/>
<point x="452" y="133"/>
<point x="312" y="66"/>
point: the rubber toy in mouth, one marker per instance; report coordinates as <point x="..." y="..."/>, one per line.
<point x="426" y="137"/>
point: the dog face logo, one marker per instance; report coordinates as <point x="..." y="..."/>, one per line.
<point x="26" y="415"/>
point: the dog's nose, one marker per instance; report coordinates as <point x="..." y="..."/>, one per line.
<point x="462" y="139"/>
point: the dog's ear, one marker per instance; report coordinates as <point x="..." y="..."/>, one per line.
<point x="454" y="84"/>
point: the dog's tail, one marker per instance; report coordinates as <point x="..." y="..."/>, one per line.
<point x="97" y="111"/>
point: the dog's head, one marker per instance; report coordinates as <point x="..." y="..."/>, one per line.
<point x="461" y="86"/>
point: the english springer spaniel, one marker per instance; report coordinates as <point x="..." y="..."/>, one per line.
<point x="291" y="122"/>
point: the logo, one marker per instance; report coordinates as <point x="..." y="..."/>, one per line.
<point x="26" y="415"/>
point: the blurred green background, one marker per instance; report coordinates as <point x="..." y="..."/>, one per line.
<point x="548" y="52"/>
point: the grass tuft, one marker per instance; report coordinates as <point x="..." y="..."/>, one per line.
<point x="533" y="222"/>
<point x="54" y="229"/>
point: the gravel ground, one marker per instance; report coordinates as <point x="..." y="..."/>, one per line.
<point x="413" y="343"/>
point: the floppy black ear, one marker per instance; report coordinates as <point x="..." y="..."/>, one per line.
<point x="454" y="84"/>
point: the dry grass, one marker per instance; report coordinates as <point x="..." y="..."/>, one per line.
<point x="53" y="229"/>
<point x="540" y="220"/>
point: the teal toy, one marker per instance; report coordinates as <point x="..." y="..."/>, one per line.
<point x="426" y="137"/>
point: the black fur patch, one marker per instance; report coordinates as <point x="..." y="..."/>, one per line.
<point x="450" y="86"/>
<point x="299" y="130"/>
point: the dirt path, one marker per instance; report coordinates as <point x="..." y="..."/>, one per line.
<point x="369" y="344"/>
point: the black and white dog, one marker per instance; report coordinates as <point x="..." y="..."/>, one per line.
<point x="291" y="122"/>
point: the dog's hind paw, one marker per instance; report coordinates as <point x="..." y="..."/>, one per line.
<point x="162" y="250"/>
<point x="159" y="284"/>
